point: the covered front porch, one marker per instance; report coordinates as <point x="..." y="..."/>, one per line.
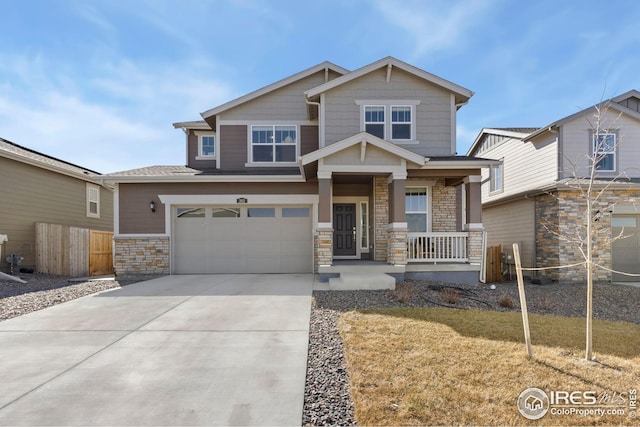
<point x="385" y="209"/>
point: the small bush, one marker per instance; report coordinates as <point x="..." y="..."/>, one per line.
<point x="450" y="296"/>
<point x="404" y="292"/>
<point x="506" y="302"/>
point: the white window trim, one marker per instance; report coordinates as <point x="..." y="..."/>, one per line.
<point x="251" y="163"/>
<point x="613" y="152"/>
<point x="201" y="156"/>
<point x="428" y="187"/>
<point x="388" y="104"/>
<point x="91" y="188"/>
<point x="492" y="179"/>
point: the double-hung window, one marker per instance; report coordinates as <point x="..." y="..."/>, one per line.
<point x="496" y="178"/>
<point x="416" y="209"/>
<point x="206" y="146"/>
<point x="93" y="201"/>
<point x="604" y="152"/>
<point x="374" y="120"/>
<point x="273" y="144"/>
<point x="401" y="122"/>
<point x="391" y="120"/>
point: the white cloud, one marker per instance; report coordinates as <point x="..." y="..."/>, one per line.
<point x="433" y="26"/>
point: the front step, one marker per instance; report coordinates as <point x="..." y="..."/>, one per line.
<point x="361" y="281"/>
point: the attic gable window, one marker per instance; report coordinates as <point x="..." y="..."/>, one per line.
<point x="604" y="152"/>
<point x="273" y="144"/>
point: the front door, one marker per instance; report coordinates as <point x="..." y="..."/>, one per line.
<point x="344" y="229"/>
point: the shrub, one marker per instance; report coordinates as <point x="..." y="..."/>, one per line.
<point x="404" y="292"/>
<point x="506" y="302"/>
<point x="449" y="295"/>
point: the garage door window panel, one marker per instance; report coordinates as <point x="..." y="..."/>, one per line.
<point x="190" y="212"/>
<point x="295" y="212"/>
<point x="225" y="213"/>
<point x="261" y="212"/>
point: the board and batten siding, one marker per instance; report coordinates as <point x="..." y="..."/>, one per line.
<point x="510" y="223"/>
<point x="137" y="218"/>
<point x="526" y="166"/>
<point x="433" y="115"/>
<point x="576" y="144"/>
<point x="31" y="194"/>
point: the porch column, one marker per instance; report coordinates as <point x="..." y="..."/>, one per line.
<point x="473" y="224"/>
<point x="323" y="245"/>
<point x="397" y="228"/>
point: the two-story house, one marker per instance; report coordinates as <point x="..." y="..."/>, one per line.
<point x="328" y="171"/>
<point x="534" y="197"/>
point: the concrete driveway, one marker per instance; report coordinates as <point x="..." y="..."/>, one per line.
<point x="179" y="350"/>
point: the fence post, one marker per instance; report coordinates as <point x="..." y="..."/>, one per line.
<point x="523" y="300"/>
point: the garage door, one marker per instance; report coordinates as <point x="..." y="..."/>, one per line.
<point x="231" y="239"/>
<point x="625" y="253"/>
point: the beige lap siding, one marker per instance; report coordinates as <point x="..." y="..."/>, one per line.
<point x="141" y="255"/>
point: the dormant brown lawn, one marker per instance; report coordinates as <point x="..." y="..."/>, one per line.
<point x="432" y="366"/>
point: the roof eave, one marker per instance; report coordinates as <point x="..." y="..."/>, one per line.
<point x="89" y="176"/>
<point x="201" y="178"/>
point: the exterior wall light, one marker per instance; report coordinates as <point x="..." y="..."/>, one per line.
<point x="152" y="206"/>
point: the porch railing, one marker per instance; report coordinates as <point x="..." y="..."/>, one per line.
<point x="437" y="247"/>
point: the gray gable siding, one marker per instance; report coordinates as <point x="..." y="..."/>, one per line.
<point x="31" y="194"/>
<point x="287" y="103"/>
<point x="433" y="114"/>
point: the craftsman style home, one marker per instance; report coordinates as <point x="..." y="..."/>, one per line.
<point x="534" y="198"/>
<point x="328" y="171"/>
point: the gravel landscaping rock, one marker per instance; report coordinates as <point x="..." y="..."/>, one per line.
<point x="327" y="399"/>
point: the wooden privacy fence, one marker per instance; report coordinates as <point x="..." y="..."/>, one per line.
<point x="494" y="264"/>
<point x="73" y="251"/>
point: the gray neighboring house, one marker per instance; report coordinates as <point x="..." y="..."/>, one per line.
<point x="533" y="191"/>
<point x="40" y="188"/>
<point x="328" y="171"/>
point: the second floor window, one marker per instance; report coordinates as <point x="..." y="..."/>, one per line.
<point x="207" y="146"/>
<point x="604" y="152"/>
<point x="374" y="120"/>
<point x="496" y="178"/>
<point x="273" y="144"/>
<point x="400" y="122"/>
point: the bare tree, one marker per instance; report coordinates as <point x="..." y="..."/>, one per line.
<point x="592" y="235"/>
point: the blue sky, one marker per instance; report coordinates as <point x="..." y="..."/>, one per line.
<point x="99" y="83"/>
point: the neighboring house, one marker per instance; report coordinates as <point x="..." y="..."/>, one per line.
<point x="309" y="174"/>
<point x="532" y="198"/>
<point x="37" y="188"/>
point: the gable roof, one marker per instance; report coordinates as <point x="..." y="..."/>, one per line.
<point x="13" y="151"/>
<point x="518" y="133"/>
<point x="274" y="86"/>
<point x="462" y="94"/>
<point x="612" y="103"/>
<point x="362" y="138"/>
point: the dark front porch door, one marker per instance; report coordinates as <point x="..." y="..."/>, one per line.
<point x="344" y="229"/>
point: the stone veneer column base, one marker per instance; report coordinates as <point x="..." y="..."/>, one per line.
<point x="323" y="248"/>
<point x="141" y="255"/>
<point x="396" y="246"/>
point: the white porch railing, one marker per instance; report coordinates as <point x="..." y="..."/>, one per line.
<point x="437" y="247"/>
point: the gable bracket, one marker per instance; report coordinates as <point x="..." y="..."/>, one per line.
<point x="363" y="150"/>
<point x="389" y="66"/>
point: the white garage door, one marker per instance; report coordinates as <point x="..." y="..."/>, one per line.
<point x="264" y="239"/>
<point x="625" y="252"/>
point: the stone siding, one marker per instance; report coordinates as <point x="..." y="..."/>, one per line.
<point x="141" y="255"/>
<point x="561" y="233"/>
<point x="323" y="248"/>
<point x="443" y="204"/>
<point x="381" y="217"/>
<point x="474" y="247"/>
<point x="397" y="246"/>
